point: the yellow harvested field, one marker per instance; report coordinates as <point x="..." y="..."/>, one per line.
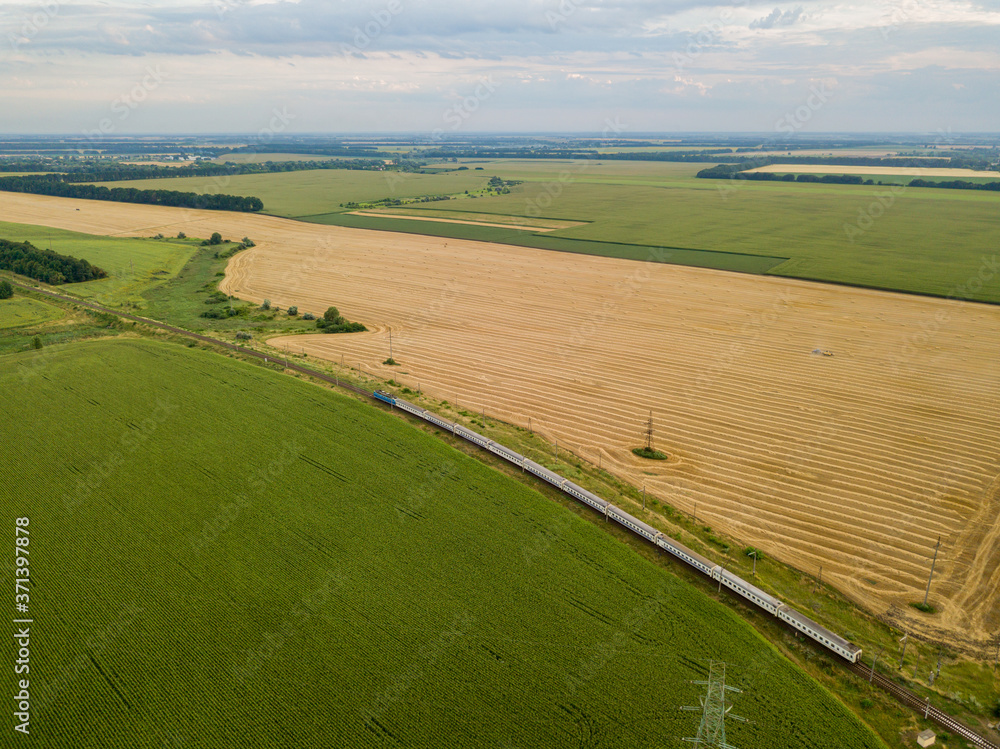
<point x="856" y="461"/>
<point x="889" y="170"/>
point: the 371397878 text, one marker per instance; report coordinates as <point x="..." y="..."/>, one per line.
<point x="22" y="626"/>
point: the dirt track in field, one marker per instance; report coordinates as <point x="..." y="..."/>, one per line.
<point x="856" y="462"/>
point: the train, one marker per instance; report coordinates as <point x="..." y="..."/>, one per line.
<point x="759" y="598"/>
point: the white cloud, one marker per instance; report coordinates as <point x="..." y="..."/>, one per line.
<point x="345" y="63"/>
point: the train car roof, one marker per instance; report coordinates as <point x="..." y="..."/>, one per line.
<point x="834" y="638"/>
<point x="693" y="554"/>
<point x="752" y="588"/>
<point x="587" y="494"/>
<point x="542" y="469"/>
<point x="421" y="408"/>
<point x="474" y="434"/>
<point x="634" y="520"/>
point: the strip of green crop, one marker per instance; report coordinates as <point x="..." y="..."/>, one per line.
<point x="730" y="261"/>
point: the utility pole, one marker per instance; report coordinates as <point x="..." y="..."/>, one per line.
<point x="754" y="555"/>
<point x="649" y="433"/>
<point x="940" y="652"/>
<point x="996" y="657"/>
<point x="931" y="576"/>
<point x="644" y="496"/>
<point x="906" y="641"/>
<point x="821" y="576"/>
<point x="390" y="344"/>
<point x="714" y="710"/>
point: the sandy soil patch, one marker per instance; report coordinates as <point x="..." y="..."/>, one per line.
<point x="856" y="462"/>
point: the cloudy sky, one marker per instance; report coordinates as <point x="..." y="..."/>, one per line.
<point x="466" y="66"/>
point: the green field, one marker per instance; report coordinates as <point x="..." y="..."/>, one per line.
<point x="320" y="191"/>
<point x="919" y="240"/>
<point x="20" y="311"/>
<point x="916" y="240"/>
<point x="223" y="556"/>
<point x="132" y="264"/>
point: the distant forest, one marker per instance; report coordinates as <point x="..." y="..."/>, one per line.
<point x="47" y="266"/>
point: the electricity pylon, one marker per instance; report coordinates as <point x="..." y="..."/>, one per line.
<point x="714" y="710"/>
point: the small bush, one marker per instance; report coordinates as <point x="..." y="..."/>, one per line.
<point x="925" y="607"/>
<point x="342" y="327"/>
<point x="36" y="343"/>
<point x="996" y="710"/>
<point x="216" y="238"/>
<point x="750" y="551"/>
<point x="866" y="703"/>
<point x="181" y="235"/>
<point x="648" y="453"/>
<point x="241" y="336"/>
<point x="266" y="304"/>
<point x="247" y="242"/>
<point x="292" y="311"/>
<point x="308" y="316"/>
<point x="391" y="362"/>
<point x="6" y="290"/>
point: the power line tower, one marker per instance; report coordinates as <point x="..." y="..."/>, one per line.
<point x="714" y="710"/>
<point x="649" y="433"/>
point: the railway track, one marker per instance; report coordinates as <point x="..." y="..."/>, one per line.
<point x="908" y="698"/>
<point x="901" y="694"/>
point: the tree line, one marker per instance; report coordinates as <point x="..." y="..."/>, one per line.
<point x="46" y="266"/>
<point x="55" y="184"/>
<point x="104" y="170"/>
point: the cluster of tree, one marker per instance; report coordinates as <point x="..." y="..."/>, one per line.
<point x="54" y="184"/>
<point x="45" y="265"/>
<point x="501" y="186"/>
<point x="333" y="322"/>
